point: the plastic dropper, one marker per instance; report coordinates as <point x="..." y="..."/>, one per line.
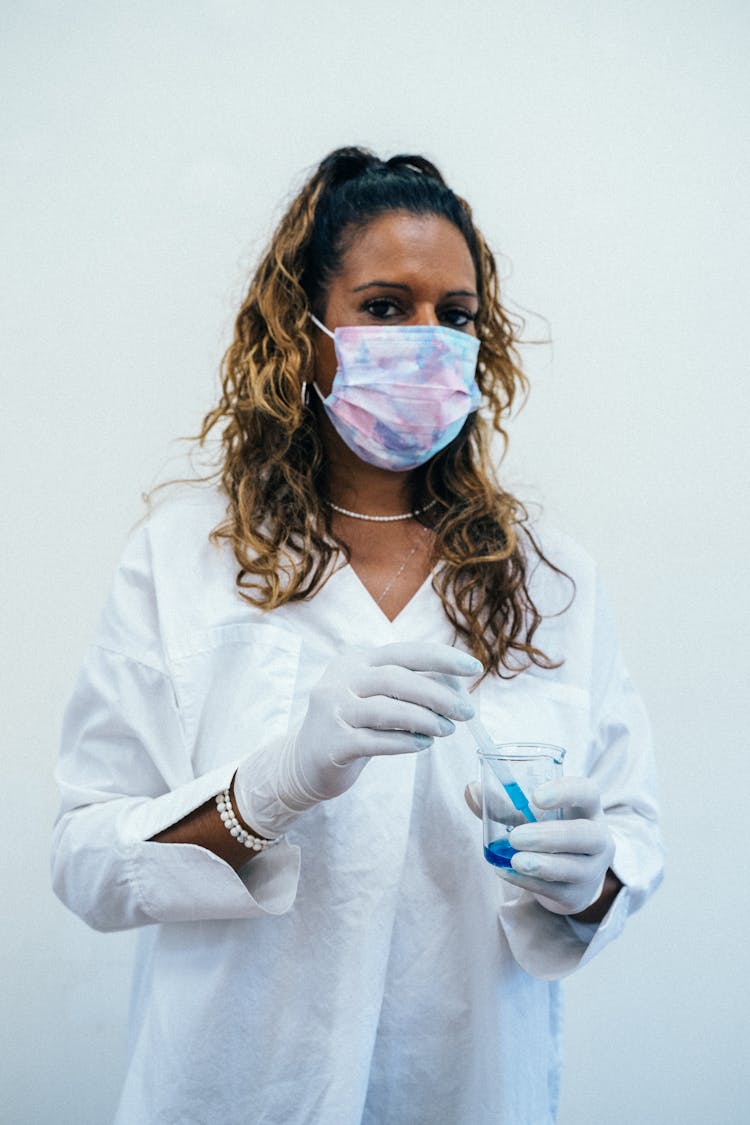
<point x="500" y="768"/>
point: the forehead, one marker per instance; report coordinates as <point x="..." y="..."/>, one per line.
<point x="402" y="243"/>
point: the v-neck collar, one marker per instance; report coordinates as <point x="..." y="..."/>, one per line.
<point x="374" y="608"/>
<point x="343" y="614"/>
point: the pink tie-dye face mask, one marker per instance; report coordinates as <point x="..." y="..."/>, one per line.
<point x="401" y="393"/>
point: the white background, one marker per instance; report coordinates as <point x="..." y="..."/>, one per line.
<point x="148" y="150"/>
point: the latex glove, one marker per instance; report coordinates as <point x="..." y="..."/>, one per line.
<point x="387" y="700"/>
<point x="563" y="863"/>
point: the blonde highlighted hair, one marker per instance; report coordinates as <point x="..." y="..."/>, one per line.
<point x="273" y="463"/>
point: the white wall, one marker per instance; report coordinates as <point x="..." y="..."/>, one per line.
<point x="605" y="148"/>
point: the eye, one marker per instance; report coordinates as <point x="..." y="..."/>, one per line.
<point x="382" y="308"/>
<point x="457" y="317"/>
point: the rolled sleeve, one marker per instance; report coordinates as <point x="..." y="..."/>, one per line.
<point x="124" y="775"/>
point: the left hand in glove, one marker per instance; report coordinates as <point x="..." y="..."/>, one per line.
<point x="563" y="863"/>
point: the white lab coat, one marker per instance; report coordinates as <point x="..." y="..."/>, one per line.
<point x="373" y="968"/>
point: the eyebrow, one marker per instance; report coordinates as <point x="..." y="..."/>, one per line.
<point x="405" y="288"/>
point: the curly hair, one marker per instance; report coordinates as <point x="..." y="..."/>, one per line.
<point x="273" y="463"/>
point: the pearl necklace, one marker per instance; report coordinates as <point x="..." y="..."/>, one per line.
<point x="380" y="519"/>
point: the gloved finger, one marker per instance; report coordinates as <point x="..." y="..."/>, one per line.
<point x="519" y="880"/>
<point x="460" y="686"/>
<point x="579" y="797"/>
<point x="566" y="895"/>
<point x="473" y="797"/>
<point x="380" y="712"/>
<point x="425" y="657"/>
<point x="411" y="687"/>
<point x="461" y="689"/>
<point x="500" y="808"/>
<point x="368" y="743"/>
<point x="573" y="869"/>
<point x="582" y="837"/>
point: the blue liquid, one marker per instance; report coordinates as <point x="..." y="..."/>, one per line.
<point x="499" y="853"/>
<point x="519" y="799"/>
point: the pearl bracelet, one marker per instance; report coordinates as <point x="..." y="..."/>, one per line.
<point x="233" y="826"/>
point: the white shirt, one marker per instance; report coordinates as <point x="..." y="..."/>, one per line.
<point x="372" y="968"/>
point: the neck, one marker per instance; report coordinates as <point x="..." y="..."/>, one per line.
<point x="361" y="487"/>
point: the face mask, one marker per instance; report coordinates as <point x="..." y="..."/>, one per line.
<point x="401" y="393"/>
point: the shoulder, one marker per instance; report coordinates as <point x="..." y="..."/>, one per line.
<point x="170" y="573"/>
<point x="567" y="594"/>
<point x="173" y="535"/>
<point x="183" y="513"/>
<point x="571" y="573"/>
<point x="560" y="547"/>
<point x="186" y="565"/>
<point x="172" y="539"/>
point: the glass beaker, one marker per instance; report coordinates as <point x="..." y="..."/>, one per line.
<point x="510" y="775"/>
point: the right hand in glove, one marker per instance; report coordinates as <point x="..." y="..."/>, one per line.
<point x="394" y="699"/>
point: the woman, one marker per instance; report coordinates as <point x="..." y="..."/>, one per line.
<point x="320" y="941"/>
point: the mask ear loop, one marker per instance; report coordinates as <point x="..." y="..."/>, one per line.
<point x="328" y="332"/>
<point x="322" y="327"/>
<point x="304" y="395"/>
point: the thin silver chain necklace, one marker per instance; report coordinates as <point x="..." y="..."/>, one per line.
<point x="389" y="586"/>
<point x="380" y="519"/>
